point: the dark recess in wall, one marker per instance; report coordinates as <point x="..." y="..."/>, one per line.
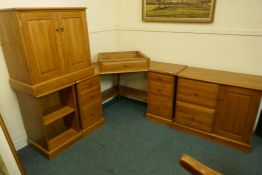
<point x="259" y="125"/>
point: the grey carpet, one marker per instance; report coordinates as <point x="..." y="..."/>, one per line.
<point x="128" y="144"/>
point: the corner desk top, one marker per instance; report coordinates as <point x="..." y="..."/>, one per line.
<point x="209" y="75"/>
<point x="159" y="67"/>
<point x="223" y="77"/>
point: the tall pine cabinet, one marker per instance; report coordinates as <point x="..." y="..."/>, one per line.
<point x="46" y="52"/>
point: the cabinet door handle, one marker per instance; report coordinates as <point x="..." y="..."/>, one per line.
<point x="220" y="98"/>
<point x="59" y="29"/>
<point x="196" y="94"/>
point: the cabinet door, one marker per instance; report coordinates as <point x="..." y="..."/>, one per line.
<point x="236" y="113"/>
<point x="41" y="41"/>
<point x="75" y="45"/>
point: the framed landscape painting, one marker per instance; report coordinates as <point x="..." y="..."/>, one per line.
<point x="195" y="11"/>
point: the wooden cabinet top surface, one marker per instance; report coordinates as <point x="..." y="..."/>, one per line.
<point x="42" y="8"/>
<point x="166" y="68"/>
<point x="223" y="77"/>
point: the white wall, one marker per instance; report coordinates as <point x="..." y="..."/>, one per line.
<point x="102" y="20"/>
<point x="232" y="42"/>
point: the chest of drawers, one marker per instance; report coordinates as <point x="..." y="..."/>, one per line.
<point x="161" y="89"/>
<point x="90" y="103"/>
<point x="217" y="105"/>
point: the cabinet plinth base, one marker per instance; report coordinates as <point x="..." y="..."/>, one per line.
<point x="215" y="138"/>
<point x="51" y="153"/>
<point x="94" y="126"/>
<point x="159" y="119"/>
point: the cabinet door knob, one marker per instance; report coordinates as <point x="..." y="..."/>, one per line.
<point x="220" y="98"/>
<point x="57" y="29"/>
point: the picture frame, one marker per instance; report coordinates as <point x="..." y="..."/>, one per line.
<point x="183" y="11"/>
<point x="9" y="160"/>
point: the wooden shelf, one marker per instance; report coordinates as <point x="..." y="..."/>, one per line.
<point x="61" y="112"/>
<point x="63" y="138"/>
<point x="135" y="93"/>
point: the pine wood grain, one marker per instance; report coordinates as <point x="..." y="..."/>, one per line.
<point x="222" y="77"/>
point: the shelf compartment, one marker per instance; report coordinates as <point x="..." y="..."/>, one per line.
<point x="55" y="102"/>
<point x="59" y="112"/>
<point x="63" y="138"/>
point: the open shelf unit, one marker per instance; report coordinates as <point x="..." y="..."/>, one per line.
<point x="53" y="120"/>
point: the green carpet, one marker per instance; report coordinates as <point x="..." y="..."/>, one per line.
<point x="128" y="144"/>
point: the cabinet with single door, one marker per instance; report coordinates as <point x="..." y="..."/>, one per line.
<point x="218" y="105"/>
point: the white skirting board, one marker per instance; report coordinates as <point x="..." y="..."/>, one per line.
<point x="20" y="142"/>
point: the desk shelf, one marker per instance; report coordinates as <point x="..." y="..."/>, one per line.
<point x="61" y="112"/>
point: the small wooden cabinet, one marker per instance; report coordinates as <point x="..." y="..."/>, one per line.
<point x="221" y="106"/>
<point x="160" y="96"/>
<point x="161" y="89"/>
<point x="51" y="121"/>
<point x="90" y="103"/>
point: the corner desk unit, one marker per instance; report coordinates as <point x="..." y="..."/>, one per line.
<point x="216" y="105"/>
<point x="59" y="91"/>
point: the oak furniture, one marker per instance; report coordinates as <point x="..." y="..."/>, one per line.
<point x="218" y="105"/>
<point x="46" y="52"/>
<point x="121" y="62"/>
<point x="45" y="48"/>
<point x="48" y="59"/>
<point x="90" y="103"/>
<point x="161" y="91"/>
<point x="195" y="167"/>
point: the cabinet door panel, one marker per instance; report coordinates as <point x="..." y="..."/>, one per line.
<point x="236" y="112"/>
<point x="75" y="43"/>
<point x="41" y="40"/>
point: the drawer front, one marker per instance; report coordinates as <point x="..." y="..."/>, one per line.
<point x="161" y="107"/>
<point x="161" y="84"/>
<point x="124" y="65"/>
<point x="194" y="116"/>
<point x="161" y="89"/>
<point x="87" y="97"/>
<point x="197" y="92"/>
<point x="90" y="114"/>
<point x="160" y="78"/>
<point x="88" y="84"/>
